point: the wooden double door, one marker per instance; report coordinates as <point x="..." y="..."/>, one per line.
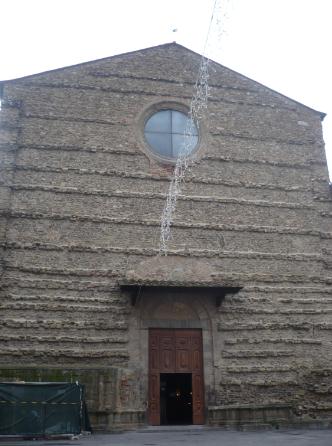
<point x="175" y="355"/>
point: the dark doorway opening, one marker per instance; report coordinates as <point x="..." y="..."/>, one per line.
<point x="176" y="398"/>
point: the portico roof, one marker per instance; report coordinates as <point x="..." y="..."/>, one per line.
<point x="178" y="274"/>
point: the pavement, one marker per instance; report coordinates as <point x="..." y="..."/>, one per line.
<point x="191" y="436"/>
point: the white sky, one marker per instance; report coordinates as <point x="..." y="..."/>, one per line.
<point x="284" y="44"/>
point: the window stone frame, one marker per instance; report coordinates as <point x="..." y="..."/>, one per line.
<point x="151" y="110"/>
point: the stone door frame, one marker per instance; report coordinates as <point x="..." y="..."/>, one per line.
<point x="145" y="316"/>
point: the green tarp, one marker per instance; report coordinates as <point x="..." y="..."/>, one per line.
<point x="42" y="409"/>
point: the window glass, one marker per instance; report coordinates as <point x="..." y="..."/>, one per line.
<point x="161" y="143"/>
<point x="179" y="122"/>
<point x="165" y="133"/>
<point x="160" y="122"/>
<point x="183" y="142"/>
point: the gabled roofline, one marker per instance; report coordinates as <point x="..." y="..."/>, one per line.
<point x="80" y="64"/>
<point x="321" y="114"/>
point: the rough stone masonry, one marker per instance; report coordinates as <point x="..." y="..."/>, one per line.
<point x="81" y="200"/>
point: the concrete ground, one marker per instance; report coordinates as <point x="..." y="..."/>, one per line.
<point x="201" y="436"/>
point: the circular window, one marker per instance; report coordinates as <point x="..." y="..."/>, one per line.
<point x="171" y="133"/>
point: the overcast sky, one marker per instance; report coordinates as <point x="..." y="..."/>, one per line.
<point x="284" y="44"/>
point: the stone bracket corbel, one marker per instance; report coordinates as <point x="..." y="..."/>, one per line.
<point x="220" y="297"/>
<point x="133" y="292"/>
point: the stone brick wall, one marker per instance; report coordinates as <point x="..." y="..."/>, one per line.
<point x="81" y="200"/>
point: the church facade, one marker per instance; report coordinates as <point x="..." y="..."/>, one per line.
<point x="233" y="326"/>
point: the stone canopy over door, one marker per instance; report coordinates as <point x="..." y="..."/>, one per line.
<point x="176" y="353"/>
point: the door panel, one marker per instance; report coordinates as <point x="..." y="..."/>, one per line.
<point x="196" y="360"/>
<point x="198" y="398"/>
<point x="182" y="352"/>
<point x="175" y="351"/>
<point x="166" y="351"/>
<point x="154" y="360"/>
<point x="167" y="363"/>
<point x="181" y="340"/>
<point x="154" y="399"/>
<point x="182" y="363"/>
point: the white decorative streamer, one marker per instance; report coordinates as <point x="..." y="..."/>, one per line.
<point x="197" y="110"/>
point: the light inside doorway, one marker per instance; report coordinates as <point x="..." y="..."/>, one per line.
<point x="176" y="398"/>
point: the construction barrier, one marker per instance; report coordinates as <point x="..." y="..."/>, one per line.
<point x="42" y="409"/>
